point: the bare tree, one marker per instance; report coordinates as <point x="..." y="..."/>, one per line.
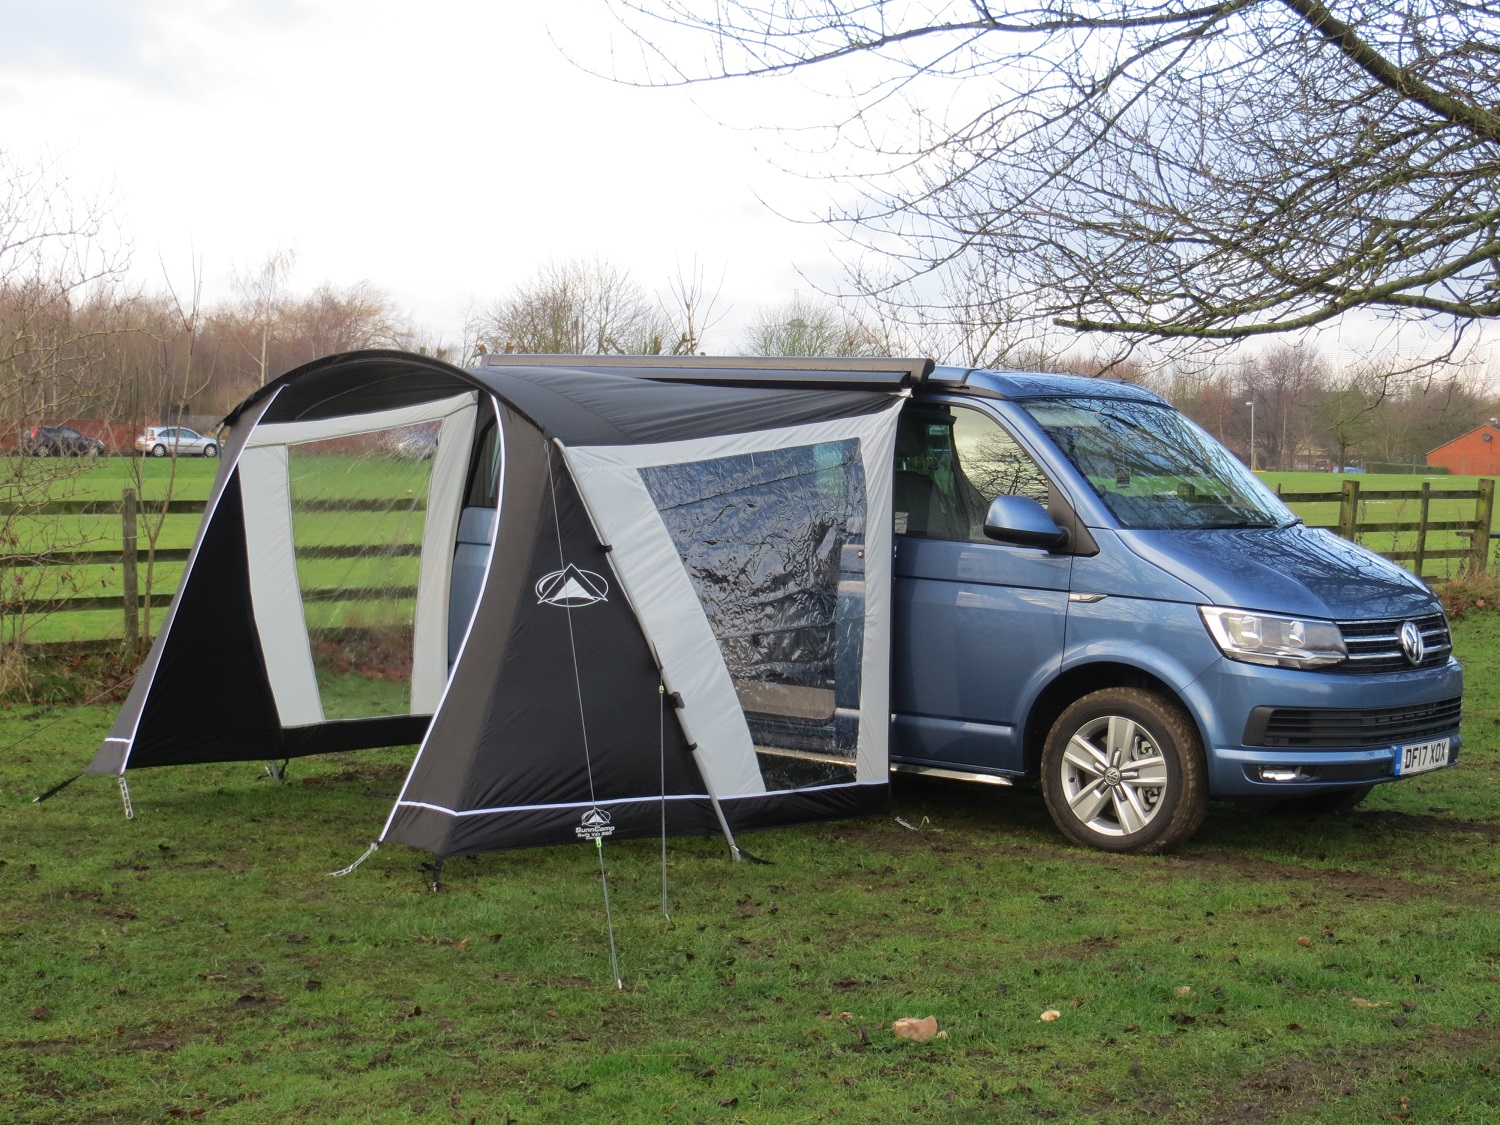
<point x="261" y="297"/>
<point x="60" y="303"/>
<point x="1210" y="169"/>
<point x="690" y="310"/>
<point x="1284" y="383"/>
<point x="587" y="306"/>
<point x="808" y="327"/>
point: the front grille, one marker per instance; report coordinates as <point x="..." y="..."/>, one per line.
<point x="1375" y="646"/>
<point x="1378" y="726"/>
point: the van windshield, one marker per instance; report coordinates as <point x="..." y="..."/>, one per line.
<point x="1154" y="468"/>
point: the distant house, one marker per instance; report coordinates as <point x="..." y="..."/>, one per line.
<point x="1475" y="454"/>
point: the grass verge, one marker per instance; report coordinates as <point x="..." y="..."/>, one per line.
<point x="197" y="964"/>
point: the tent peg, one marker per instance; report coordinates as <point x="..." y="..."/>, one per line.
<point x="56" y="789"/>
<point x="125" y="797"/>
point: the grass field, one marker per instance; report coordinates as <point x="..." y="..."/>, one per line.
<point x="1388" y="511"/>
<point x="196" y="963"/>
<point x="314" y="478"/>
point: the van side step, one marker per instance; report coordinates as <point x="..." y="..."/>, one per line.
<point x="951" y="775"/>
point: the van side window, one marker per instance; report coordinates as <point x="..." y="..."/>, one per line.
<point x="951" y="462"/>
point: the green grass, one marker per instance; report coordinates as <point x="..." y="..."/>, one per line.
<point x="1326" y="514"/>
<point x="105" y="479"/>
<point x="197" y="964"/>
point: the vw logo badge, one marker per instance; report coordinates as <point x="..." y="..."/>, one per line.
<point x="1411" y="642"/>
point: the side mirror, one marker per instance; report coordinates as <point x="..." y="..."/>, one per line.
<point x="1022" y="522"/>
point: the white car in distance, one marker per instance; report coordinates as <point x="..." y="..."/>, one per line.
<point x="162" y="441"/>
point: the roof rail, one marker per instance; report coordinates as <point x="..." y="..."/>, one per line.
<point x="787" y="371"/>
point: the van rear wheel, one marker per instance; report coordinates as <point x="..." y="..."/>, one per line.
<point x="1123" y="771"/>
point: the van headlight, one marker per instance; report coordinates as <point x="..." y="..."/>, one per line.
<point x="1281" y="642"/>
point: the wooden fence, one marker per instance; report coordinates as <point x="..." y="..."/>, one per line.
<point x="1477" y="529"/>
<point x="134" y="554"/>
<point x="1350" y="498"/>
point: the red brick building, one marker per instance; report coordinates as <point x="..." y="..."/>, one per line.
<point x="1475" y="454"/>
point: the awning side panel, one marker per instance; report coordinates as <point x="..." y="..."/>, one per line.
<point x="775" y="545"/>
<point x="209" y="699"/>
<point x="554" y="707"/>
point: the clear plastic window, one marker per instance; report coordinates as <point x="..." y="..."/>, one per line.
<point x="774" y="546"/>
<point x="358" y="511"/>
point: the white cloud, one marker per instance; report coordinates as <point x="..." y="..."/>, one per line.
<point x="441" y="152"/>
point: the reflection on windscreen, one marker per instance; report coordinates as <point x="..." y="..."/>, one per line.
<point x="1154" y="468"/>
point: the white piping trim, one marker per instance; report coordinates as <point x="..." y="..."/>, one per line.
<point x="484" y="582"/>
<point x="187" y="570"/>
<point x="652" y="799"/>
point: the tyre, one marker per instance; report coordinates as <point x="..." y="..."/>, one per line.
<point x="158" y="451"/>
<point x="210" y="451"/>
<point x="1123" y="771"/>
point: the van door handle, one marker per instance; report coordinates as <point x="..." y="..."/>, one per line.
<point x="1087" y="597"/>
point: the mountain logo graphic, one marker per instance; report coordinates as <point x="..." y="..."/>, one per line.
<point x="571" y="587"/>
<point x="595" y="825"/>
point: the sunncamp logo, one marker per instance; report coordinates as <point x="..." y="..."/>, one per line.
<point x="596" y="825"/>
<point x="571" y="588"/>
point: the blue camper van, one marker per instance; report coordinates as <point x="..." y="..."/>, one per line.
<point x="1093" y="592"/>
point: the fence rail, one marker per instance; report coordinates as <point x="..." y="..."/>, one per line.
<point x="134" y="556"/>
<point x="1350" y="498"/>
<point x="1478" y="530"/>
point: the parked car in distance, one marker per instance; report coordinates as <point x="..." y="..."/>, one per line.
<point x="61" y="441"/>
<point x="160" y="441"/>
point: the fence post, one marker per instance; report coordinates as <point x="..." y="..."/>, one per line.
<point x="1484" y="514"/>
<point x="128" y="566"/>
<point x="1422" y="528"/>
<point x="1349" y="511"/>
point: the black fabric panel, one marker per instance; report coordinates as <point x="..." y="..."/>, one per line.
<point x="537" y="827"/>
<point x="111" y="756"/>
<point x="510" y="732"/>
<point x="353" y="734"/>
<point x="578" y="406"/>
<point x="545" y="827"/>
<point x="210" y="700"/>
<point x="358" y="383"/>
<point x="589" y="408"/>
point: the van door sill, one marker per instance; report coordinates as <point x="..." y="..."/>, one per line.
<point x="951" y="775"/>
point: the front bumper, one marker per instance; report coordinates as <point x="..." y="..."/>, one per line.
<point x="1232" y="693"/>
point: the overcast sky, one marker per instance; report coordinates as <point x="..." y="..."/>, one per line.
<point x="440" y="150"/>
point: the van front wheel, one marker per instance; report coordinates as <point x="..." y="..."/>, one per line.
<point x="1123" y="770"/>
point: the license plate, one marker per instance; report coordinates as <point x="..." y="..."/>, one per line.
<point x="1421" y="757"/>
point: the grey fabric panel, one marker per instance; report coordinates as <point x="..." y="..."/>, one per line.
<point x="559" y="704"/>
<point x="430" y="641"/>
<point x="583" y="408"/>
<point x="274" y="590"/>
